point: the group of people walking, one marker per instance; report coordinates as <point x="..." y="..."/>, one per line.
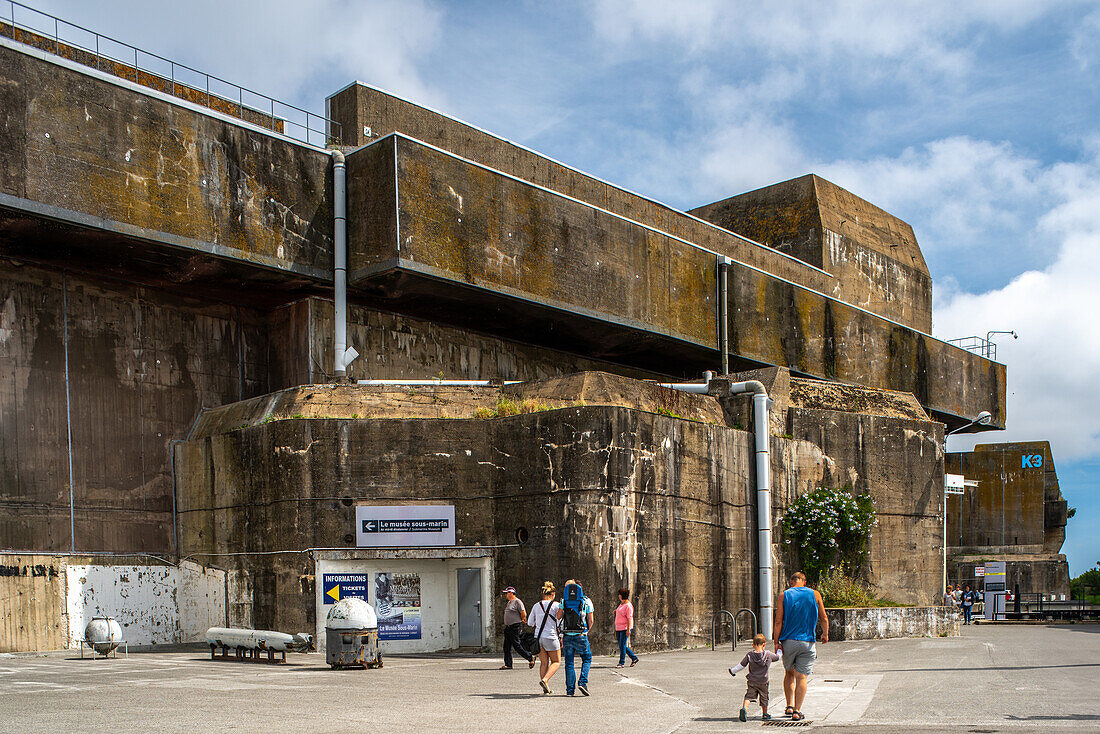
<point x="963" y="598"/>
<point x="560" y="629"/>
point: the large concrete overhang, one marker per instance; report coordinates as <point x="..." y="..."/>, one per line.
<point x="441" y="236"/>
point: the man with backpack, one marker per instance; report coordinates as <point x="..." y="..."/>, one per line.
<point x="576" y="614"/>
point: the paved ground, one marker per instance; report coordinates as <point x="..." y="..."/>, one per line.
<point x="990" y="680"/>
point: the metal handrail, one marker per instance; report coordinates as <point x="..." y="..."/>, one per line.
<point x="733" y="628"/>
<point x="755" y="621"/>
<point x="331" y="127"/>
<point x="735" y="635"/>
<point x="977" y="345"/>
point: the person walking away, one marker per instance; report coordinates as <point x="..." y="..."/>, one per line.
<point x="515" y="615"/>
<point x="624" y="625"/>
<point x="543" y="619"/>
<point x="967" y="603"/>
<point x="576" y="615"/>
<point x="757" y="661"/>
<point x="798" y="612"/>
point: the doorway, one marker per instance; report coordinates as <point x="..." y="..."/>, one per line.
<point x="469" y="607"/>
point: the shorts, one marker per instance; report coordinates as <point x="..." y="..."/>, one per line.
<point x="550" y="643"/>
<point x="754" y="690"/>
<point x="799" y="656"/>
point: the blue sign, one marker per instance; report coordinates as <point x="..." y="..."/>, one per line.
<point x="339" y="586"/>
<point x="1031" y="461"/>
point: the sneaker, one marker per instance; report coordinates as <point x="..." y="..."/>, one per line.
<point x="742" y="716"/>
<point x="583" y="689"/>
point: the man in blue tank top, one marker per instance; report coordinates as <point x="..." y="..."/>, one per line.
<point x="798" y="613"/>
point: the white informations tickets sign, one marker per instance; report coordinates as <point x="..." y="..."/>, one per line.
<point x="401" y="526"/>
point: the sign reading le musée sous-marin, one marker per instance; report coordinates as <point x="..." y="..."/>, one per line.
<point x="402" y="526"/>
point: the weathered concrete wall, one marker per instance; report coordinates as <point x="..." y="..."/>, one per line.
<point x="154" y="604"/>
<point x="609" y="495"/>
<point x="900" y="463"/>
<point x="872" y="255"/>
<point x="466" y="224"/>
<point x="141" y="363"/>
<point x="779" y="323"/>
<point x="77" y="147"/>
<point x="880" y="623"/>
<point x="393" y="346"/>
<point x="1017" y="502"/>
<point x="357" y="106"/>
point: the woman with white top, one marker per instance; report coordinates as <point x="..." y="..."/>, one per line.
<point x="544" y="620"/>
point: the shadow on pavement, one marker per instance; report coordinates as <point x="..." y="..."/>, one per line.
<point x="509" y="696"/>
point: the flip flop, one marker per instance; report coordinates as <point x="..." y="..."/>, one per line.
<point x="530" y="664"/>
<point x="797" y="716"/>
<point x="505" y="667"/>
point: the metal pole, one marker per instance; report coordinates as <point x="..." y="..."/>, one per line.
<point x="723" y="313"/>
<point x="68" y="410"/>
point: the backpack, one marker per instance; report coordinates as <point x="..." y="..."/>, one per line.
<point x="573" y="609"/>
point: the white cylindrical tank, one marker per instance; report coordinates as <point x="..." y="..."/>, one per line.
<point x="103" y="634"/>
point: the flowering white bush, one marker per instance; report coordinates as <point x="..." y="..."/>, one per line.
<point x="830" y="528"/>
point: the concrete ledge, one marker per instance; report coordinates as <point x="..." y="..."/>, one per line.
<point x="878" y="623"/>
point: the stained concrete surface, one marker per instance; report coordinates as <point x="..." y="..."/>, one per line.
<point x="991" y="679"/>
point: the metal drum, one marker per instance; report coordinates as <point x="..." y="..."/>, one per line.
<point x="103" y="634"/>
<point x="351" y="635"/>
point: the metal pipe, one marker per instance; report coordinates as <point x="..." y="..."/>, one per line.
<point x="443" y="383"/>
<point x="762" y="437"/>
<point x="340" y="265"/>
<point x="723" y="312"/>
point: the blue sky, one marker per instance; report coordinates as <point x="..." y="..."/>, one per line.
<point x="976" y="122"/>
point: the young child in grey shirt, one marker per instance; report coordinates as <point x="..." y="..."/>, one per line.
<point x="757" y="661"/>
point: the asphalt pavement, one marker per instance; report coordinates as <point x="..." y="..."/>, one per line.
<point x="991" y="679"/>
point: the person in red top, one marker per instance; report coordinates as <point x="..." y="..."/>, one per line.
<point x="624" y="625"/>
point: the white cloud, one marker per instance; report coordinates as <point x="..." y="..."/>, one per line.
<point x="280" y="47"/>
<point x="1054" y="367"/>
<point x="925" y="34"/>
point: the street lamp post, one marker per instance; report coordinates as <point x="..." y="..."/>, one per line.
<point x="982" y="419"/>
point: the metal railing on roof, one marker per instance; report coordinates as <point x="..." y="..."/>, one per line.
<point x="89" y="48"/>
<point x="977" y="345"/>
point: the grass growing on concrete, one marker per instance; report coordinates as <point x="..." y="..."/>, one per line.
<point x="839" y="590"/>
<point x="506" y="407"/>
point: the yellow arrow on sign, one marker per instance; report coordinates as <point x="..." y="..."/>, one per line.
<point x="334" y="592"/>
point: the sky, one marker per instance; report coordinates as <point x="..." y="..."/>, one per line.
<point x="977" y="122"/>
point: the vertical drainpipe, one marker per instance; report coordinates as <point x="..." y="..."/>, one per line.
<point x="340" y="263"/>
<point x="760" y="410"/>
<point x="723" y="313"/>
